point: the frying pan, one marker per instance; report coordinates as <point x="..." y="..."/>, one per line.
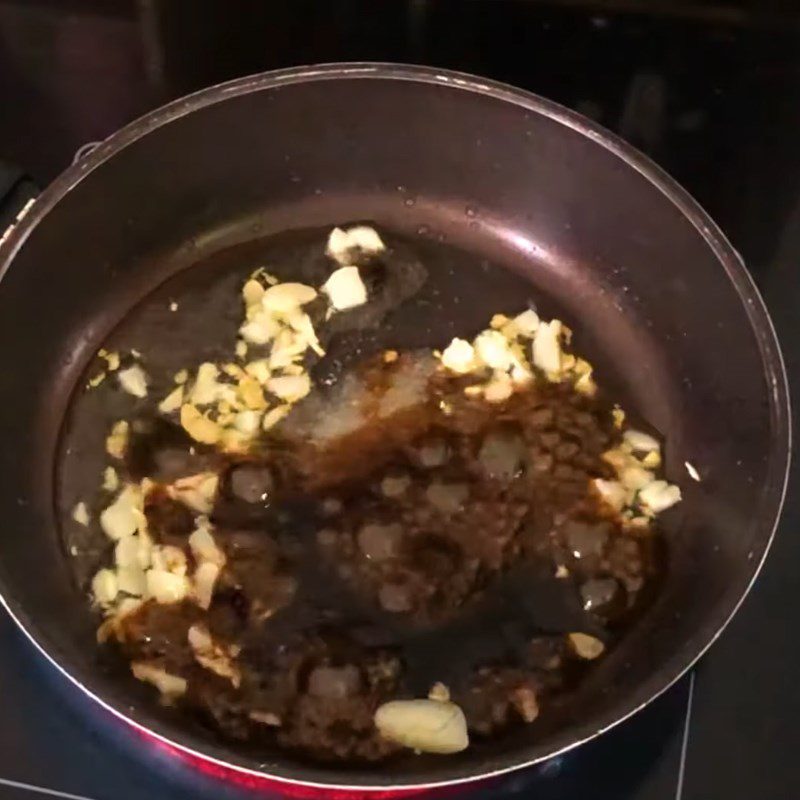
<point x="662" y="302"/>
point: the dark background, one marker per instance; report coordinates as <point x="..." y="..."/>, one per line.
<point x="710" y="90"/>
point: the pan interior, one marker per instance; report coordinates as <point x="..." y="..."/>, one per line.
<point x="599" y="244"/>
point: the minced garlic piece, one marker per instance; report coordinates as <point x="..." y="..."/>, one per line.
<point x="286" y="297"/>
<point x="198" y="492"/>
<point x="585" y="646"/>
<point x="117" y="440"/>
<point x="104" y="587"/>
<point x="274" y="416"/>
<point x="290" y="388"/>
<point x="133" y="380"/>
<point x="546" y="349"/>
<point x="345" y="289"/>
<point x="172" y="402"/>
<point x="81" y="514"/>
<point x="171" y="687"/>
<point x="110" y="479"/>
<point x="199" y="427"/>
<point x="459" y="356"/>
<point x="492" y="349"/>
<point x="658" y="496"/>
<point x="361" y="237"/>
<point x="125" y="515"/>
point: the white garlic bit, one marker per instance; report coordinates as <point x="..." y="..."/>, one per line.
<point x="133" y="380"/>
<point x="198" y="492"/>
<point x="658" y="496"/>
<point x="117" y="440"/>
<point x="172" y="402"/>
<point x="345" y="289"/>
<point x="585" y="646"/>
<point x="493" y="349"/>
<point x="459" y="356"/>
<point x="166" y="587"/>
<point x="361" y="237"/>
<point x="692" y="470"/>
<point x="171" y="687"/>
<point x="430" y="726"/>
<point x="110" y="479"/>
<point x="203" y="546"/>
<point x="104" y="587"/>
<point x="286" y="297"/>
<point x="641" y="442"/>
<point x="81" y="514"/>
<point x="290" y="388"/>
<point x="546" y="350"/>
<point x="212" y="655"/>
<point x="125" y="515"/>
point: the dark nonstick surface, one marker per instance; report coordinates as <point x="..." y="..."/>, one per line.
<point x="658" y="299"/>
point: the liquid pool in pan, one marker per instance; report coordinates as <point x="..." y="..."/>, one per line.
<point x="291" y="512"/>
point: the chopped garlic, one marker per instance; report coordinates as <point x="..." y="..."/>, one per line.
<point x="133" y="551"/>
<point x="652" y="460"/>
<point x="286" y="297"/>
<point x="104" y="587"/>
<point x="439" y="692"/>
<point x="241" y="349"/>
<point x="345" y="289"/>
<point x="206" y="389"/>
<point x="618" y="416"/>
<point x="274" y="416"/>
<point x="205" y="579"/>
<point x="251" y="393"/>
<point x="173" y="306"/>
<point x="612" y="493"/>
<point x="198" y="492"/>
<point x="181" y="376"/>
<point x="585" y="646"/>
<point x="261" y="329"/>
<point x="691" y="469"/>
<point x="492" y="348"/>
<point x="81" y="514"/>
<point x="259" y="370"/>
<point x="430" y="726"/>
<point x="112" y="359"/>
<point x="499" y="388"/>
<point x="172" y="402"/>
<point x="290" y="388"/>
<point x="459" y="356"/>
<point x="166" y="587"/>
<point x="526" y="323"/>
<point x="203" y="546"/>
<point x="247" y="422"/>
<point x="641" y="442"/>
<point x="132" y="581"/>
<point x="117" y="440"/>
<point x="213" y="656"/>
<point x="199" y="427"/>
<point x="634" y="477"/>
<point x="360" y="237"/>
<point x="94" y="382"/>
<point x="546" y="350"/>
<point x="170" y="559"/>
<point x="658" y="496"/>
<point x="110" y="479"/>
<point x="124" y="516"/>
<point x="133" y="380"/>
<point x="252" y="292"/>
<point x="170" y="686"/>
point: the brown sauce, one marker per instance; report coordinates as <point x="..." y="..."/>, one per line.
<point x="442" y="539"/>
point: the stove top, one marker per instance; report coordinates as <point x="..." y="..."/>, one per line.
<point x="709" y="90"/>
